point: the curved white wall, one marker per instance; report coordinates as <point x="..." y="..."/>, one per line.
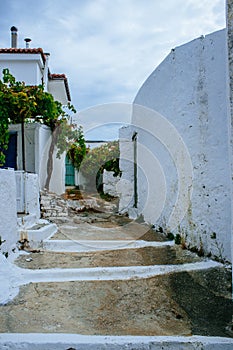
<point x="189" y="90"/>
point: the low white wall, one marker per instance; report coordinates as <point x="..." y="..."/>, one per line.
<point x="126" y="184"/>
<point x="32" y="195"/>
<point x="30" y="145"/>
<point x="37" y="143"/>
<point x="80" y="180"/>
<point x="57" y="182"/>
<point x="183" y="151"/>
<point x="8" y="211"/>
<point x="110" y="183"/>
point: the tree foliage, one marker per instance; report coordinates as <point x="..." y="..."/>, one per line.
<point x="20" y="103"/>
<point x="77" y="150"/>
<point x="100" y="158"/>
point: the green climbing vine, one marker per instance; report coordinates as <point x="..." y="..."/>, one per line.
<point x="77" y="150"/>
<point x="20" y="103"/>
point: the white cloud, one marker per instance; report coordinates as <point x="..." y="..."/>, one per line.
<point x="108" y="48"/>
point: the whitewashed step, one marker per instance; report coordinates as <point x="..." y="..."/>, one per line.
<point x="42" y="341"/>
<point x="26" y="221"/>
<point x="40" y="231"/>
<point x="97" y="245"/>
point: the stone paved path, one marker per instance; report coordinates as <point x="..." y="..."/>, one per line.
<point x="102" y="274"/>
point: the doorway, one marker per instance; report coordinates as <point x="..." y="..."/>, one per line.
<point x="11" y="152"/>
<point x="70" y="173"/>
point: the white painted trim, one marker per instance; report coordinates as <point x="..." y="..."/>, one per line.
<point x="98" y="245"/>
<point x="42" y="341"/>
<point x="106" y="273"/>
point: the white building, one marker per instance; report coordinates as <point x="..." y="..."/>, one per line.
<point x="180" y="140"/>
<point x="31" y="66"/>
<point x="19" y="190"/>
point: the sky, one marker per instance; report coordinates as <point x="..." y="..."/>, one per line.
<point x="107" y="48"/>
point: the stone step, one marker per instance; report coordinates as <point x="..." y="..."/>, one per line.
<point x="110" y="273"/>
<point x="146" y="300"/>
<point x="143" y="256"/>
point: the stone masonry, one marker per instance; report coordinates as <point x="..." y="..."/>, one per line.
<point x="52" y="205"/>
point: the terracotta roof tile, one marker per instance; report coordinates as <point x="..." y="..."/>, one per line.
<point x="25" y="51"/>
<point x="41" y="52"/>
<point x="57" y="76"/>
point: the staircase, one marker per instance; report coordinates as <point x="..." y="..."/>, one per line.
<point x="114" y="283"/>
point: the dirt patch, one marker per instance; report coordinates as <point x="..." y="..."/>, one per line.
<point x="149" y="234"/>
<point x="210" y="311"/>
<point x="175" y="304"/>
<point x="125" y="257"/>
<point x="123" y="307"/>
<point x="92" y="227"/>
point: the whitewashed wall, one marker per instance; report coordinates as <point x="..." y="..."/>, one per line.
<point x="229" y="11"/>
<point x="110" y="183"/>
<point x="189" y="92"/>
<point x="58" y="90"/>
<point x="24" y="67"/>
<point x="37" y="143"/>
<point x="8" y="216"/>
<point x="126" y="183"/>
<point x="80" y="180"/>
<point x="57" y="183"/>
<point x="32" y="195"/>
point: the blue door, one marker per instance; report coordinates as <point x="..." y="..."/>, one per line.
<point x="11" y="152"/>
<point x="70" y="177"/>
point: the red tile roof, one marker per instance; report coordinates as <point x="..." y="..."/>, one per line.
<point x="30" y="51"/>
<point x="57" y="76"/>
<point x="41" y="52"/>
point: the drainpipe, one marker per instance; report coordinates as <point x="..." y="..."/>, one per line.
<point x="134" y="139"/>
<point x="23" y="144"/>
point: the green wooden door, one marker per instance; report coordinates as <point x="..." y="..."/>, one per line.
<point x="70" y="179"/>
